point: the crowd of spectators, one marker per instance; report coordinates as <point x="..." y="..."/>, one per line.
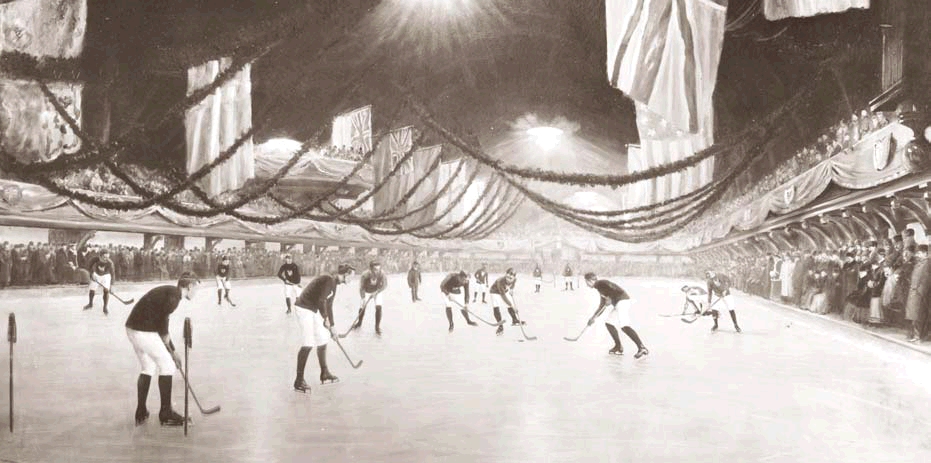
<point x="871" y="283"/>
<point x="346" y="153"/>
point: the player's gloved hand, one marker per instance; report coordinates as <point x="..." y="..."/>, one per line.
<point x="177" y="359"/>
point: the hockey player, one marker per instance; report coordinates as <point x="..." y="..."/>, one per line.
<point x="567" y="278"/>
<point x="502" y="293"/>
<point x="223" y="281"/>
<point x="290" y="275"/>
<point x="537" y="278"/>
<point x="315" y="315"/>
<point x="720" y="286"/>
<point x="619" y="314"/>
<point x="371" y="285"/>
<point x="481" y="283"/>
<point x="455" y="288"/>
<point x="101" y="277"/>
<point x="694" y="298"/>
<point x="147" y="330"/>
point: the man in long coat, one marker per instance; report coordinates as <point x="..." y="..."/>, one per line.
<point x="916" y="306"/>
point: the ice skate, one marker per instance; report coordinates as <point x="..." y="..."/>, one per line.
<point x="327" y="377"/>
<point x="377" y="331"/>
<point x="519" y="323"/>
<point x="171" y="418"/>
<point x="88" y="306"/>
<point x="471" y="323"/>
<point x="641" y="352"/>
<point x="616" y="351"/>
<point x="302" y="386"/>
<point x="500" y="330"/>
<point x="451" y="327"/>
<point x="141" y="417"/>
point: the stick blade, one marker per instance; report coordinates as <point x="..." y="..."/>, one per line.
<point x="211" y="411"/>
<point x="570" y="339"/>
<point x="357" y="365"/>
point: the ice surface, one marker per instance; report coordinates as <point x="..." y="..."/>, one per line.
<point x="788" y="389"/>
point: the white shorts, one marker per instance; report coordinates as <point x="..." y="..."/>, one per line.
<point x="313" y="333"/>
<point x="100" y="283"/>
<point x="538" y="280"/>
<point x="291" y="291"/>
<point x="154" y="357"/>
<point x="618" y="314"/>
<point x="498" y="301"/>
<point x="376" y="300"/>
<point x="223" y="283"/>
<point x="481" y="288"/>
<point x="456" y="301"/>
<point x="725" y="304"/>
<point x="567" y="280"/>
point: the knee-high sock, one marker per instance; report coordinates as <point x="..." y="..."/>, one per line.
<point x="715" y="314"/>
<point x="287" y="301"/>
<point x="219" y="296"/>
<point x="734" y="317"/>
<point x="449" y="315"/>
<point x="226" y="293"/>
<point x="321" y="359"/>
<point x="633" y="336"/>
<point x="90" y="297"/>
<point x="465" y="313"/>
<point x="497" y="312"/>
<point x="302" y="362"/>
<point x="106" y="298"/>
<point x="142" y="391"/>
<point x="513" y="315"/>
<point x="164" y="391"/>
<point x="377" y="316"/>
<point x="614" y="335"/>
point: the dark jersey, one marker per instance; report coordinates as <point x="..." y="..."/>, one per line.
<point x="318" y="296"/>
<point x="501" y="286"/>
<point x="537" y="273"/>
<point x="481" y="277"/>
<point x="223" y="271"/>
<point x="567" y="272"/>
<point x="289" y="273"/>
<point x="151" y="313"/>
<point x="454" y="284"/>
<point x="719" y="286"/>
<point x="99" y="267"/>
<point x="373" y="282"/>
<point x="610" y="292"/>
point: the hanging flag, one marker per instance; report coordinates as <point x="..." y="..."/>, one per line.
<point x="781" y="9"/>
<point x="353" y="130"/>
<point x="216" y="122"/>
<point x="389" y="152"/>
<point x="31" y="129"/>
<point x="660" y="144"/>
<point x="665" y="54"/>
<point x="43" y="28"/>
<point x="423" y="159"/>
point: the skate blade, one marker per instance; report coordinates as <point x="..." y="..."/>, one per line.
<point x="302" y="391"/>
<point x="176" y="424"/>
<point x="329" y="381"/>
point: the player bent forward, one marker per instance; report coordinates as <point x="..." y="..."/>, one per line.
<point x="315" y="315"/>
<point x="615" y="298"/>
<point x="455" y="288"/>
<point x="502" y="294"/>
<point x="147" y="329"/>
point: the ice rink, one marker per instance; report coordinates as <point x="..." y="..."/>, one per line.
<point x="790" y="388"/>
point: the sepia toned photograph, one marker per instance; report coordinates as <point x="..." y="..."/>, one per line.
<point x="489" y="231"/>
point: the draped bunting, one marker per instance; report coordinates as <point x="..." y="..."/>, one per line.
<point x="216" y="122"/>
<point x="444" y="175"/>
<point x="876" y="159"/>
<point x="43" y="28"/>
<point x="423" y="159"/>
<point x="353" y="130"/>
<point x="390" y="150"/>
<point x="781" y="9"/>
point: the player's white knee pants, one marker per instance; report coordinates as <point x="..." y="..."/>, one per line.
<point x="223" y="283"/>
<point x="291" y="291"/>
<point x="567" y="280"/>
<point x="99" y="282"/>
<point x="154" y="357"/>
<point x="313" y="333"/>
<point x="538" y="280"/>
<point x="725" y="304"/>
<point x="481" y="288"/>
<point x="618" y="314"/>
<point x="498" y="301"/>
<point x="456" y="301"/>
<point x="371" y="299"/>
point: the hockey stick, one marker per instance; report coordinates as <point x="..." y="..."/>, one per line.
<point x="477" y="317"/>
<point x="520" y="323"/>
<point x="209" y="411"/>
<point x="353" y="325"/>
<point x="577" y="337"/>
<point x="115" y="296"/>
<point x="694" y="317"/>
<point x="354" y="365"/>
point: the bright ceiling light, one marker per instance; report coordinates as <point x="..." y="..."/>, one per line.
<point x="546" y="137"/>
